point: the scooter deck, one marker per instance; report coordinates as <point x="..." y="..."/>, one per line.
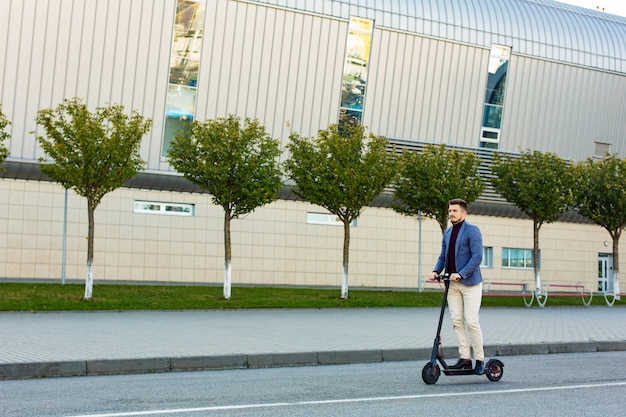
<point x="451" y="372"/>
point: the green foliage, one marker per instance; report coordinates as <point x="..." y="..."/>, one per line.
<point x="539" y="184"/>
<point x="4" y="122"/>
<point x="237" y="164"/>
<point x="93" y="153"/>
<point x="429" y="180"/>
<point x="343" y="170"/>
<point x="601" y="192"/>
<point x="601" y="197"/>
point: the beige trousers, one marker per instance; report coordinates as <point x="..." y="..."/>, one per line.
<point x="464" y="303"/>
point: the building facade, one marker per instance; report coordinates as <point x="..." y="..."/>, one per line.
<point x="487" y="75"/>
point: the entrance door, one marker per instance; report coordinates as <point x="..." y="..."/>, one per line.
<point x="605" y="272"/>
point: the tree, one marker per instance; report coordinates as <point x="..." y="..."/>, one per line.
<point x="92" y="153"/>
<point x="4" y="122"/>
<point x="601" y="197"/>
<point x="540" y="185"/>
<point x="343" y="170"/>
<point x="237" y="164"/>
<point x="429" y="180"/>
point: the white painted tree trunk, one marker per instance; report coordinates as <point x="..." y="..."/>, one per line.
<point x="616" y="237"/>
<point x="91" y="207"/>
<point x="89" y="281"/>
<point x="346" y="258"/>
<point x="227" y="279"/>
<point x="536" y="228"/>
<point x="228" y="275"/>
<point x="538" y="281"/>
<point x="344" y="282"/>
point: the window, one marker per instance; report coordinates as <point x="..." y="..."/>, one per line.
<point x="326" y="218"/>
<point x="487" y="261"/>
<point x="354" y="81"/>
<point x="172" y="209"/>
<point x="601" y="149"/>
<point x="517" y="258"/>
<point x="494" y="96"/>
<point x="180" y="104"/>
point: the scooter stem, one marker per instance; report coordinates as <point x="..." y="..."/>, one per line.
<point x="446" y="283"/>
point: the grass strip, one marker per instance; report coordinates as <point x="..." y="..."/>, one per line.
<point x="69" y="297"/>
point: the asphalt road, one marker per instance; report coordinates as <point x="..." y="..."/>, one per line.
<point x="575" y="384"/>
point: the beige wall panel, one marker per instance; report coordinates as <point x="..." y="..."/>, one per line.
<point x="271" y="246"/>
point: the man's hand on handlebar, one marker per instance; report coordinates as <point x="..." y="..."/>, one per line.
<point x="433" y="276"/>
<point x="455" y="277"/>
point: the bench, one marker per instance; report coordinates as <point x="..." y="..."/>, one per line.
<point x="610" y="297"/>
<point x="564" y="290"/>
<point x="521" y="290"/>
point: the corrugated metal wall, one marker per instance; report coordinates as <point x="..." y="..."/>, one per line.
<point x="284" y="66"/>
<point x="425" y="89"/>
<point x="280" y="66"/>
<point x="545" y="29"/>
<point x="563" y="109"/>
<point x="112" y="51"/>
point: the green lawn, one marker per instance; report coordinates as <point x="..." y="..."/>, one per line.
<point x="57" y="297"/>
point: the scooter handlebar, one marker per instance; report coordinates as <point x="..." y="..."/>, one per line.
<point x="443" y="277"/>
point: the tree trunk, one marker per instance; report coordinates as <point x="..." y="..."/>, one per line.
<point x="536" y="227"/>
<point x="443" y="221"/>
<point x="346" y="258"/>
<point x="90" y="235"/>
<point x="616" y="289"/>
<point x="227" y="255"/>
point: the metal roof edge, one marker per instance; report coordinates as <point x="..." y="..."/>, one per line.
<point x="28" y="170"/>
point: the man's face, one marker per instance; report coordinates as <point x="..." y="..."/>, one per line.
<point x="456" y="213"/>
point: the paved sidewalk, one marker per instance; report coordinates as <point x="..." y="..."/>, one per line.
<point x="85" y="343"/>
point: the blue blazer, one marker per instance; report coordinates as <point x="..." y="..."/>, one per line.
<point x="468" y="253"/>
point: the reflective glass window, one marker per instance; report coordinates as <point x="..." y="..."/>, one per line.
<point x="517" y="258"/>
<point x="494" y="95"/>
<point x="492" y="116"/>
<point x="358" y="46"/>
<point x="180" y="104"/>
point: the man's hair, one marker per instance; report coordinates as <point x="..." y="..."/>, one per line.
<point x="458" y="201"/>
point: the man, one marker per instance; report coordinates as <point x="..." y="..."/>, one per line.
<point x="461" y="255"/>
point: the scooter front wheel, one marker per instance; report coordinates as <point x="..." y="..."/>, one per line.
<point x="494" y="370"/>
<point x="430" y="374"/>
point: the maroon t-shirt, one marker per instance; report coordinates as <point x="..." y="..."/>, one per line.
<point x="451" y="267"/>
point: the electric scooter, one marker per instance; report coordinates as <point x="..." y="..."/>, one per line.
<point x="432" y="371"/>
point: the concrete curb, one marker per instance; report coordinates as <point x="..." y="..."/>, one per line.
<point x="270" y="360"/>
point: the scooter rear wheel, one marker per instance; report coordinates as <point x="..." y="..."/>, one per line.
<point x="430" y="375"/>
<point x="494" y="370"/>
